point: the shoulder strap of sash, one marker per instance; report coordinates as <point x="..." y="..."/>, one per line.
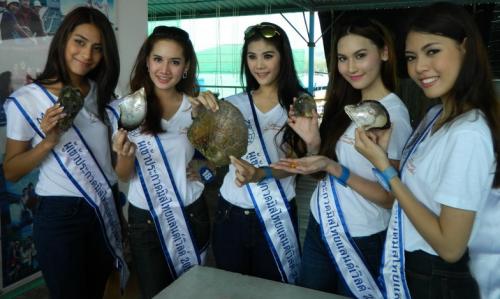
<point x="272" y="208"/>
<point x="392" y="272"/>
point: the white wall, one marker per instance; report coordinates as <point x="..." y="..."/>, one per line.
<point x="132" y="19"/>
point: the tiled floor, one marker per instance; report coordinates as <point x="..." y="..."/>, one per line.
<point x="305" y="186"/>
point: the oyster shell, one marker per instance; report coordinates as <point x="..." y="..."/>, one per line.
<point x="218" y="135"/>
<point x="72" y="101"/>
<point x="304" y="105"/>
<point x="133" y="110"/>
<point x="369" y="114"/>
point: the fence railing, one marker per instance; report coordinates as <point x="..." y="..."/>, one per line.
<point x="228" y="90"/>
<point x="223" y="90"/>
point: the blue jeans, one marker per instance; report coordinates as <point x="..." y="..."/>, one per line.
<point x="72" y="252"/>
<point x="430" y="277"/>
<point x="318" y="271"/>
<point x="148" y="257"/>
<point x="239" y="243"/>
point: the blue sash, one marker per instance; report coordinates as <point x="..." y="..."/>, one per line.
<point x="393" y="259"/>
<point x="79" y="164"/>
<point x="164" y="202"/>
<point x="271" y="206"/>
<point x="341" y="248"/>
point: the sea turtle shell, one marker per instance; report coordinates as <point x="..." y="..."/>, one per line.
<point x="133" y="110"/>
<point x="369" y="114"/>
<point x="304" y="105"/>
<point x="218" y="135"/>
<point x="72" y="100"/>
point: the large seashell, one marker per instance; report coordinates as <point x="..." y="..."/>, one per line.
<point x="72" y="101"/>
<point x="369" y="114"/>
<point x="304" y="105"/>
<point x="218" y="135"/>
<point x="133" y="110"/>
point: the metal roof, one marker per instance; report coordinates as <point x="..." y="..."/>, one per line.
<point x="185" y="9"/>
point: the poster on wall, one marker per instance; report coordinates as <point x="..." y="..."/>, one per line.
<point x="26" y="30"/>
<point x="18" y="202"/>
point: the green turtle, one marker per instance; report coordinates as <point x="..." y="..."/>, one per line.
<point x="218" y="135"/>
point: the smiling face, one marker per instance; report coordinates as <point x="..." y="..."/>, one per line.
<point x="166" y="64"/>
<point x="263" y="61"/>
<point x="83" y="51"/>
<point x="359" y="61"/>
<point x="433" y="62"/>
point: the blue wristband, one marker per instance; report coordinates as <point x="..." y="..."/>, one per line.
<point x="344" y="176"/>
<point x="268" y="172"/>
<point x="384" y="177"/>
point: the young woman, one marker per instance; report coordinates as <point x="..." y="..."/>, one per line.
<point x="76" y="225"/>
<point x="349" y="209"/>
<point x="168" y="217"/>
<point x="448" y="165"/>
<point x="255" y="230"/>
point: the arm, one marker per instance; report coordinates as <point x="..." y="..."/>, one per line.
<point x="125" y="155"/>
<point x="22" y="31"/>
<point x="20" y="158"/>
<point x="370" y="190"/>
<point x="247" y="173"/>
<point x="447" y="233"/>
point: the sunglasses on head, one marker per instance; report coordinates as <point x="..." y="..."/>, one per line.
<point x="265" y="30"/>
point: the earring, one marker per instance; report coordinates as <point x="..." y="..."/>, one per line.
<point x="184" y="75"/>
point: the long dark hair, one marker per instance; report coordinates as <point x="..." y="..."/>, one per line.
<point x="105" y="74"/>
<point x="473" y="88"/>
<point x="340" y="93"/>
<point x="140" y="76"/>
<point x="288" y="82"/>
